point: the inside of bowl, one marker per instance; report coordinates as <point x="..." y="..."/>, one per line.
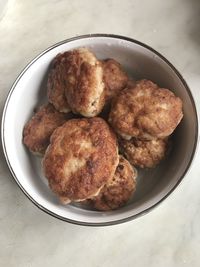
<point x="153" y="184"/>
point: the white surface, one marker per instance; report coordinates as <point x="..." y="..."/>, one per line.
<point x="169" y="235"/>
<point x="3" y="4"/>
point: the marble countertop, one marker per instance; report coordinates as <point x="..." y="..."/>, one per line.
<point x="167" y="236"/>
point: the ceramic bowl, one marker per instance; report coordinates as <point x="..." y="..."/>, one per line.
<point x="153" y="185"/>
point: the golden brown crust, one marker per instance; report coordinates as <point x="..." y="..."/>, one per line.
<point x="145" y="112"/>
<point x="85" y="87"/>
<point x="81" y="158"/>
<point x="37" y="131"/>
<point x="114" y="77"/>
<point x="144" y="154"/>
<point x="56" y="84"/>
<point x="119" y="189"/>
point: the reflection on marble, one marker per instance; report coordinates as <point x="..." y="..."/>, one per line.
<point x="169" y="235"/>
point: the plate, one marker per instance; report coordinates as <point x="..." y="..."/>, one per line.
<point x="29" y="91"/>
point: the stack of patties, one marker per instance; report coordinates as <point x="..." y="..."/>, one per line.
<point x="81" y="161"/>
<point x="80" y="150"/>
<point x="144" y="116"/>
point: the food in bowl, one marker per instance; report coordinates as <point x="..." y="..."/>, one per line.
<point x="119" y="189"/>
<point x="37" y="131"/>
<point x="80" y="75"/>
<point x="145" y="111"/>
<point x="145" y="153"/>
<point x="81" y="158"/>
<point x="115" y="78"/>
<point x="82" y="162"/>
<point x="154" y="185"/>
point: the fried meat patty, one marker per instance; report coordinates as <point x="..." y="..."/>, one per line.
<point x="81" y="158"/>
<point x="56" y="83"/>
<point x="117" y="191"/>
<point x="144" y="154"/>
<point x="145" y="111"/>
<point x="37" y="131"/>
<point x="85" y="89"/>
<point x="114" y="77"/>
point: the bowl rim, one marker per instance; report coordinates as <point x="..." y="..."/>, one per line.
<point x="46" y="210"/>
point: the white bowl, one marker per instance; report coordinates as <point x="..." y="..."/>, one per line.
<point x="29" y="90"/>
